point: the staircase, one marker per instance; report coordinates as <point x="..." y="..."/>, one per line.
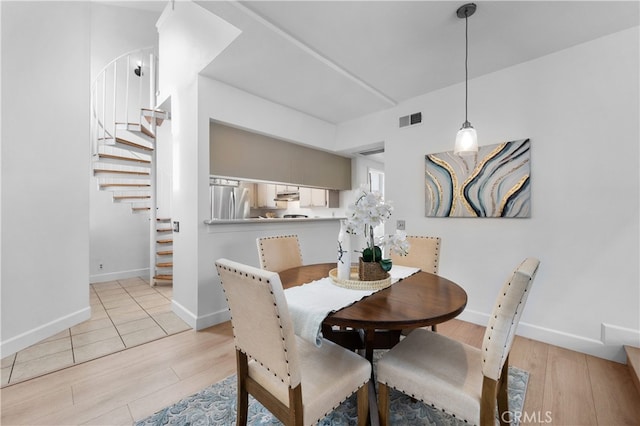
<point x="124" y="124"/>
<point x="164" y="252"/>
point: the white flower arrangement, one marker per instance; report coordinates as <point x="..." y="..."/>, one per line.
<point x="369" y="211"/>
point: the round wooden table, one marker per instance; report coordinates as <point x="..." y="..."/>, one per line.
<point x="423" y="299"/>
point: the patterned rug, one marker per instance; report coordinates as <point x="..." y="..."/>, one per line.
<point x="216" y="405"/>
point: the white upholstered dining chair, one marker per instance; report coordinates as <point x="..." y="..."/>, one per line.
<point x="424" y="253"/>
<point x="279" y="253"/>
<point x="297" y="381"/>
<point x="451" y="376"/>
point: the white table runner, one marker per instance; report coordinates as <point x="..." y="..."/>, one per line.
<point x="309" y="304"/>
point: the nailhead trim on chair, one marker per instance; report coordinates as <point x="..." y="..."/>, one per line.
<point x="504" y="354"/>
<point x="263" y="264"/>
<point x="429" y="403"/>
<point x="235" y="271"/>
<point x="334" y="408"/>
<point x="436" y="260"/>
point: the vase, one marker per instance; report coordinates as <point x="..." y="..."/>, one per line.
<point x="344" y="252"/>
<point x="370" y="271"/>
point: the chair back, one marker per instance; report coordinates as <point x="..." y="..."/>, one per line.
<point x="505" y="317"/>
<point x="424" y="253"/>
<point x="262" y="327"/>
<point x="279" y="253"/>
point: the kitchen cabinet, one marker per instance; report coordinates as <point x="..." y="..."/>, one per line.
<point x="251" y="156"/>
<point x="286" y="188"/>
<point x="313" y="197"/>
<point x="267" y="195"/>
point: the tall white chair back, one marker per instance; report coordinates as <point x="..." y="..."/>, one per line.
<point x="294" y="379"/>
<point x="279" y="253"/>
<point x="424" y="253"/>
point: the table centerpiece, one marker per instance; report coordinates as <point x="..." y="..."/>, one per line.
<point x="369" y="211"/>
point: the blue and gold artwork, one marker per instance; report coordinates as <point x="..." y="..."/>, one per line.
<point x="495" y="182"/>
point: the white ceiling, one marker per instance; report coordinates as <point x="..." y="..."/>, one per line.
<point x="338" y="60"/>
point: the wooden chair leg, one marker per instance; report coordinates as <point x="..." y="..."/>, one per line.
<point x="488" y="402"/>
<point x="243" y="396"/>
<point x="383" y="404"/>
<point x="503" y="396"/>
<point x="363" y="404"/>
<point x="296" y="415"/>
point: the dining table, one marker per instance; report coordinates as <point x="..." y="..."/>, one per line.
<point x="377" y="321"/>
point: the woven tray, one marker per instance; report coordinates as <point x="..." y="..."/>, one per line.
<point x="354" y="283"/>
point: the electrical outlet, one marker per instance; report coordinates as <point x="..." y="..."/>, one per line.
<point x="100" y="266"/>
<point x="400" y="224"/>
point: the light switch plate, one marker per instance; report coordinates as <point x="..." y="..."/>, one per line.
<point x="400" y="224"/>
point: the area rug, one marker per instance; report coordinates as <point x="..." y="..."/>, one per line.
<point x="216" y="405"/>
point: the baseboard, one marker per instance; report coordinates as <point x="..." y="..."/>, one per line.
<point x="120" y="275"/>
<point x="613" y="352"/>
<point x="202" y="322"/>
<point x="38" y="334"/>
<point x="212" y="319"/>
<point x="184" y="314"/>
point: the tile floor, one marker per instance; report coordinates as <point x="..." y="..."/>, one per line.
<point x="124" y="313"/>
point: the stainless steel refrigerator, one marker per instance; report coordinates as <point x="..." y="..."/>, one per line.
<point x="229" y="199"/>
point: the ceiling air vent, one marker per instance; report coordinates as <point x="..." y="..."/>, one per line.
<point x="410" y="120"/>
<point x="372" y="151"/>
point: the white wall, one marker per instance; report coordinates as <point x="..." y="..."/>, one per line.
<point x="198" y="297"/>
<point x="45" y="170"/>
<point x="580" y="109"/>
<point x="119" y="238"/>
<point x="189" y="38"/>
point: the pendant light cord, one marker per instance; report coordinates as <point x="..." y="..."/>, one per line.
<point x="466" y="64"/>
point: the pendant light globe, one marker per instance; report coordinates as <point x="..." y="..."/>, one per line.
<point x="467" y="138"/>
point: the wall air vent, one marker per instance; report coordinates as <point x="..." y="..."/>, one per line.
<point x="411" y="120"/>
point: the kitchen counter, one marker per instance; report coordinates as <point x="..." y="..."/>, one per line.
<point x="269" y="220"/>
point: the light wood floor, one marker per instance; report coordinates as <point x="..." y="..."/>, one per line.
<point x="565" y="387"/>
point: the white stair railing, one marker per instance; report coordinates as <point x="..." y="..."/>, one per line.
<point x="123" y="87"/>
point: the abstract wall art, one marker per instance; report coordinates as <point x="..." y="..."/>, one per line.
<point x="495" y="182"/>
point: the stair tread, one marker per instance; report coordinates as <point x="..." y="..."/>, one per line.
<point x="123" y="158"/>
<point x="633" y="363"/>
<point x="106" y="185"/>
<point x="163" y="219"/>
<point x="133" y="144"/>
<point x="153" y="110"/>
<point x="165" y="253"/>
<point x="131" y="197"/>
<point x="164" y="277"/>
<point x="633" y="356"/>
<point x="164" y="230"/>
<point x="136" y="127"/>
<point x="138" y="209"/>
<point x="164" y="264"/>
<point x="121" y="172"/>
<point x="164" y="241"/>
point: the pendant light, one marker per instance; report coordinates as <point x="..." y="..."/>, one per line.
<point x="466" y="139"/>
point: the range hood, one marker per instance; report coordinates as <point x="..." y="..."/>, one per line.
<point x="287" y="196"/>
